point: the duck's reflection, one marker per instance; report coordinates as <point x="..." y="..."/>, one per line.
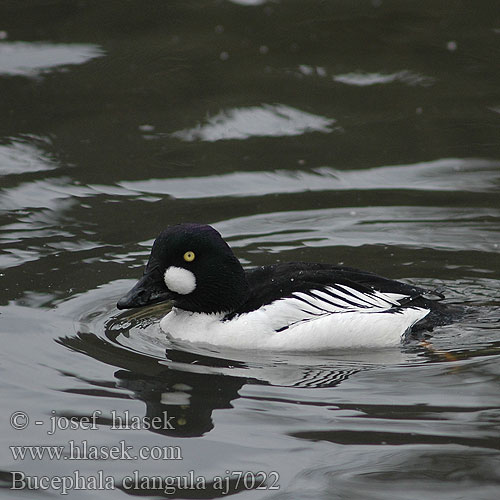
<point x="188" y="397"/>
<point x="182" y="390"/>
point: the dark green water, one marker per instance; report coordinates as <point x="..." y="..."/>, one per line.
<point x="356" y="132"/>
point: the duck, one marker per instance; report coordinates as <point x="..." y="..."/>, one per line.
<point x="285" y="306"/>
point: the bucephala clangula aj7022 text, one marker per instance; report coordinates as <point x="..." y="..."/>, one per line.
<point x="288" y="306"/>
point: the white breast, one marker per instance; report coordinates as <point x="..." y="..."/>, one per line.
<point x="335" y="318"/>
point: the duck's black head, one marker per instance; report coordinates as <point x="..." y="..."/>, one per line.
<point x="194" y="267"/>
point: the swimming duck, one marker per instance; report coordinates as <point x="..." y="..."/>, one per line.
<point x="285" y="306"/>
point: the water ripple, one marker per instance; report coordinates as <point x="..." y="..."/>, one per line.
<point x="21" y="157"/>
<point x="368" y="79"/>
<point x="447" y="174"/>
<point x="258" y="121"/>
<point x="415" y="227"/>
<point x="31" y="59"/>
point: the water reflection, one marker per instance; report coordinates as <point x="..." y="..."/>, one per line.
<point x="249" y="2"/>
<point x="367" y="79"/>
<point x="259" y="121"/>
<point x="21" y="157"/>
<point x="449" y="174"/>
<point x="31" y="59"/>
<point x="190" y="397"/>
<point x="190" y="385"/>
<point x="420" y="227"/>
<point x="360" y="79"/>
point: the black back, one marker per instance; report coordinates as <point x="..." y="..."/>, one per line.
<point x="269" y="283"/>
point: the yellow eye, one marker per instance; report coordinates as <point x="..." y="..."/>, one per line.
<point x="189" y="256"/>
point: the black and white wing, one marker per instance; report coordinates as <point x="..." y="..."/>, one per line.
<point x="304" y="306"/>
<point x="297" y="292"/>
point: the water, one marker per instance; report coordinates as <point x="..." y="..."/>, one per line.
<point x="362" y="133"/>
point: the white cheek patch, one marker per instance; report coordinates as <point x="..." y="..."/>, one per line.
<point x="179" y="280"/>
